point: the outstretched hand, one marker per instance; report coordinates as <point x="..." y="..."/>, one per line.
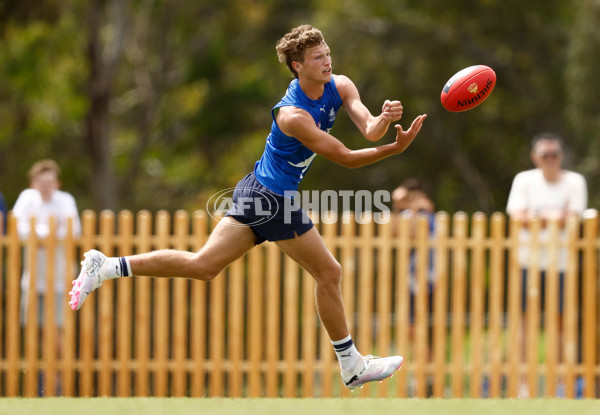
<point x="404" y="138"/>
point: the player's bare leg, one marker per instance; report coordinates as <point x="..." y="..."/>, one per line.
<point x="310" y="252"/>
<point x="228" y="241"/>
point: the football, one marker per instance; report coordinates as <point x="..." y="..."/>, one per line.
<point x="468" y="88"/>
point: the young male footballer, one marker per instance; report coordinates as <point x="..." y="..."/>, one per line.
<point x="300" y="130"/>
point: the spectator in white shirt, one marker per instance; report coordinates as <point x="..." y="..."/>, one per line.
<point x="546" y="192"/>
<point x="41" y="201"/>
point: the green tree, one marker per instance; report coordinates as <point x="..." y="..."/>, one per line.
<point x="407" y="50"/>
<point x="583" y="88"/>
<point x="159" y="103"/>
<point x="42" y="103"/>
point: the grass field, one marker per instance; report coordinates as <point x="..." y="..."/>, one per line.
<point x="184" y="406"/>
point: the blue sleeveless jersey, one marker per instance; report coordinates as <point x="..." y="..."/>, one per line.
<point x="285" y="159"/>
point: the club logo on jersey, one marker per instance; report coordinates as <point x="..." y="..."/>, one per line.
<point x="304" y="164"/>
<point x="331" y="115"/>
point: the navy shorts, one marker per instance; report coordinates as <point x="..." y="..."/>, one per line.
<point x="272" y="217"/>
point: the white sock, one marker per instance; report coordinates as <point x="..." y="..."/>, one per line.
<point x="117" y="267"/>
<point x="346" y="352"/>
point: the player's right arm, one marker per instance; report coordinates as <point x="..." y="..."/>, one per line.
<point x="298" y="123"/>
<point x="372" y="127"/>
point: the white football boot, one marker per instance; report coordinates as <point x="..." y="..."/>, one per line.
<point x="371" y="368"/>
<point x="89" y="278"/>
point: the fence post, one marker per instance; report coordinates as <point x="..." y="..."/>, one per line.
<point x="515" y="294"/>
<point x="532" y="311"/>
<point x="403" y="247"/>
<point x="477" y="301"/>
<point x="162" y="302"/>
<point x="273" y="307"/>
<point x="179" y="339"/>
<point x="348" y="262"/>
<point x="589" y="309"/>
<point x="13" y="327"/>
<point x="420" y="325"/>
<point x="365" y="289"/>
<point x="459" y="288"/>
<point x="87" y="339"/>
<point x="496" y="298"/>
<point x="552" y="309"/>
<point x="235" y="321"/>
<point x="291" y="285"/>
<point x="571" y="311"/>
<point x="309" y="335"/>
<point x="105" y="297"/>
<point x="440" y="303"/>
<point x="125" y="327"/>
<point x="384" y="300"/>
<point x="68" y="350"/>
<point x="255" y="320"/>
<point x="48" y="324"/>
<point x="216" y="312"/>
<point x="143" y="310"/>
<point x="198" y="311"/>
<point x="32" y="325"/>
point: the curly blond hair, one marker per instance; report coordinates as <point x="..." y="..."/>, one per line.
<point x="291" y="46"/>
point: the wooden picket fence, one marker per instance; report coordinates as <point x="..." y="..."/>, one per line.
<point x="254" y="331"/>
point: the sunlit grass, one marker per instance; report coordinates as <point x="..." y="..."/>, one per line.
<point x="184" y="406"/>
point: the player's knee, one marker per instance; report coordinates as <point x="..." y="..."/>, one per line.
<point x="331" y="273"/>
<point x="336" y="273"/>
<point x="205" y="269"/>
<point x="207" y="275"/>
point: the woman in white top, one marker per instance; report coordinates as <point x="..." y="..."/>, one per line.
<point x="546" y="192"/>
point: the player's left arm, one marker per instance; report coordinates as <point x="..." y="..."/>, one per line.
<point x="516" y="206"/>
<point x="371" y="127"/>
